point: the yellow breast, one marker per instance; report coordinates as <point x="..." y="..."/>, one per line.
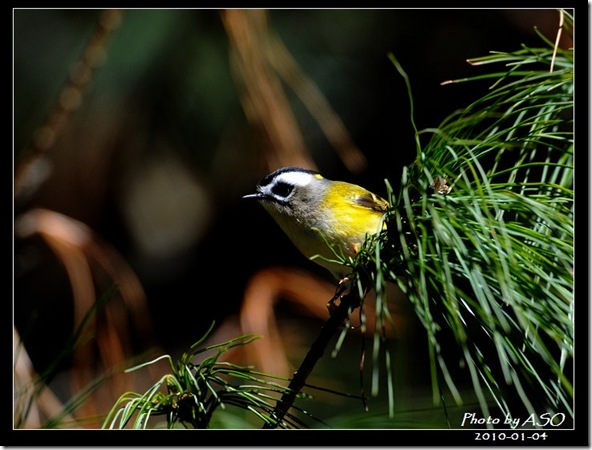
<point x="352" y="213"/>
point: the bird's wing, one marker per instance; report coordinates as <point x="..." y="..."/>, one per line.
<point x="371" y="201"/>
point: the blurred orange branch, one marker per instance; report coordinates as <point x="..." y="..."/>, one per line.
<point x="80" y="251"/>
<point x="34" y="168"/>
<point x="263" y="62"/>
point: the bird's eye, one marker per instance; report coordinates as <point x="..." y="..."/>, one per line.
<point x="282" y="189"/>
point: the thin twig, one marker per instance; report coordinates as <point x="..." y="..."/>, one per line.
<point x="557" y="41"/>
<point x="336" y="319"/>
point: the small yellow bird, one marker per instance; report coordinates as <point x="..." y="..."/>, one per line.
<point x="319" y="214"/>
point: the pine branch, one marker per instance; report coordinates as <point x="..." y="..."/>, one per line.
<point x="338" y="315"/>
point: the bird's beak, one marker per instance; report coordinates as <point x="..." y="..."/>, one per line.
<point x="256" y="196"/>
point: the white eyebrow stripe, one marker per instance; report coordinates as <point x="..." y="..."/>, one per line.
<point x="295" y="178"/>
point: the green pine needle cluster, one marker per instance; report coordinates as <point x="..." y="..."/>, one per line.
<point x="193" y="391"/>
<point x="480" y="238"/>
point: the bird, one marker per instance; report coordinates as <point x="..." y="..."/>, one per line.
<point x="320" y="216"/>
